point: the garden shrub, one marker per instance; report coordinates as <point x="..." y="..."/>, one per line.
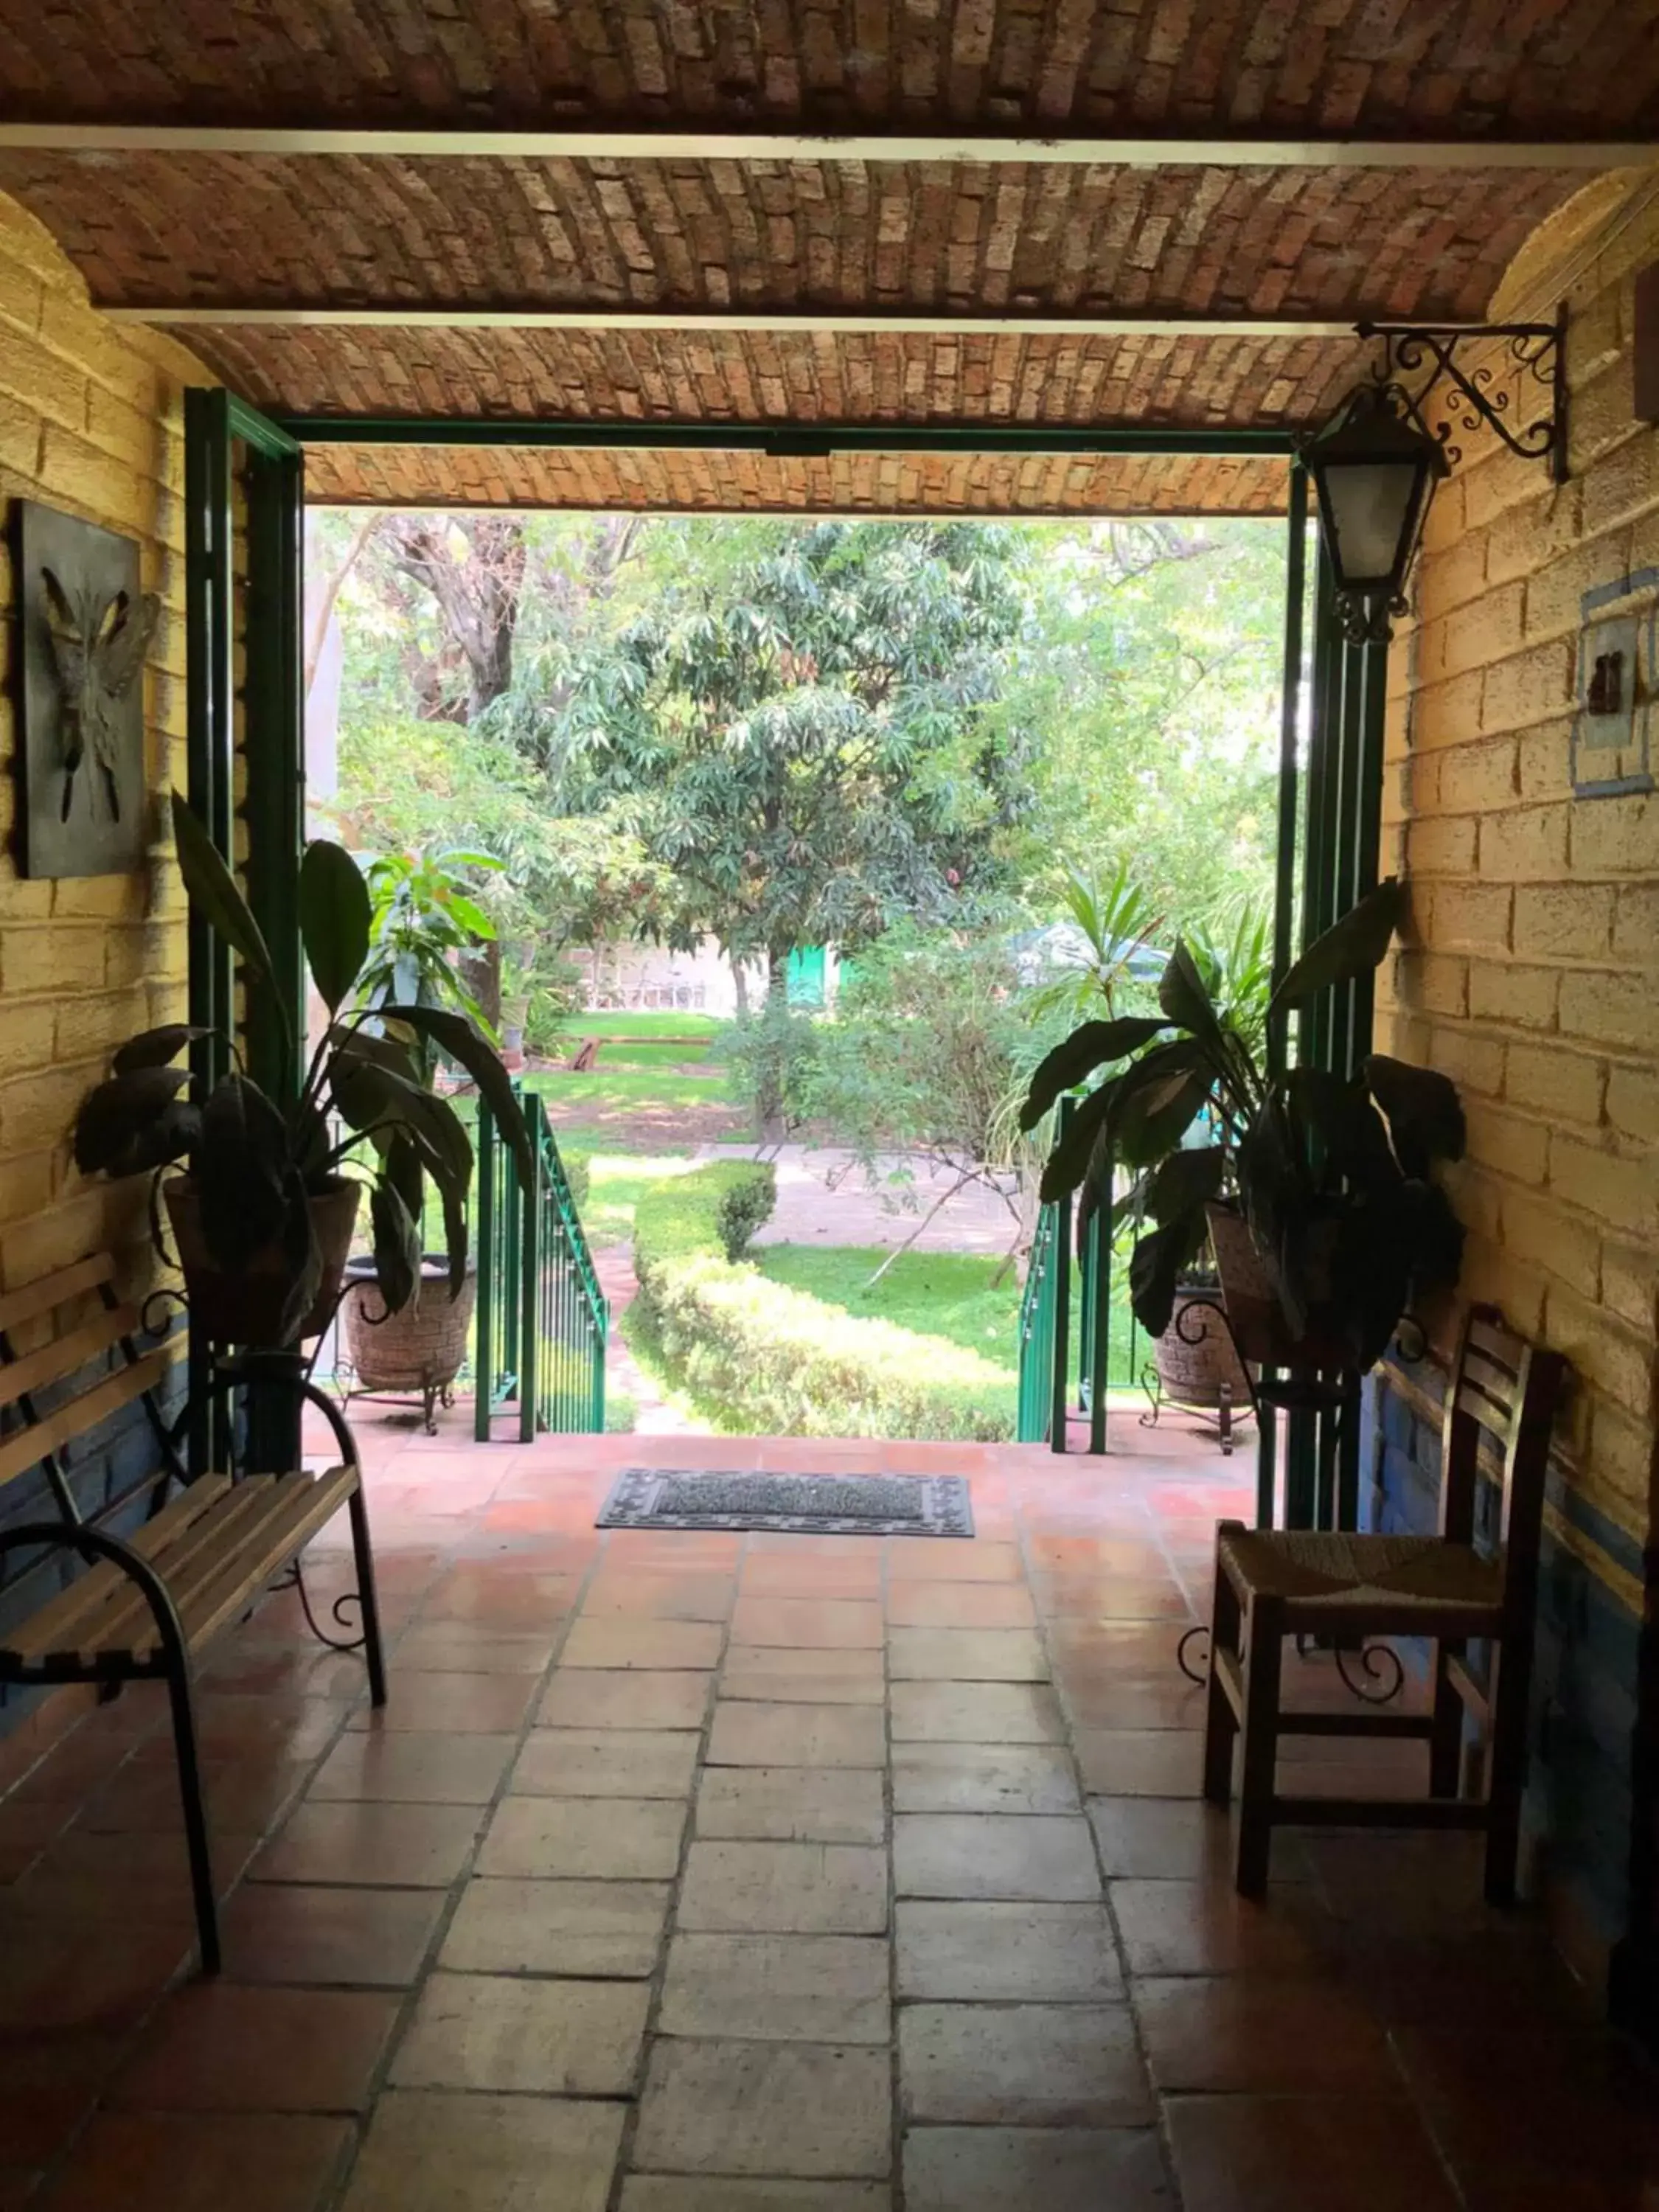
<point x="779" y="1362"/>
<point x="577" y="1177"/>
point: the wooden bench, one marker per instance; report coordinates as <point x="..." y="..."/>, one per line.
<point x="148" y="1604"/>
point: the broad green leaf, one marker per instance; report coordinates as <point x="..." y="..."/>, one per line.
<point x="212" y="891"/>
<point x="1090" y="1046"/>
<point x="1068" y="1162"/>
<point x="1183" y="1180"/>
<point x="334" y="918"/>
<point x="455" y="1035"/>
<point x="155" y="1047"/>
<point x="1423" y="1110"/>
<point x="1156" y="1265"/>
<point x="116" y="1119"/>
<point x="1350" y="947"/>
<point x="397" y="1246"/>
<point x="244" y="1179"/>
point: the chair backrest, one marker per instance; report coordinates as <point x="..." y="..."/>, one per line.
<point x="1501" y="1407"/>
<point x="108" y="1325"/>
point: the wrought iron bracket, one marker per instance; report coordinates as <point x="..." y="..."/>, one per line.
<point x="1521" y="396"/>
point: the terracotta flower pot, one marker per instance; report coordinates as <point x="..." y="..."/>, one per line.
<point x="1193" y="1369"/>
<point x="246" y="1306"/>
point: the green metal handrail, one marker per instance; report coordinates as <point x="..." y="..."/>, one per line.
<point x="543" y="1324"/>
<point x="1045" y="1323"/>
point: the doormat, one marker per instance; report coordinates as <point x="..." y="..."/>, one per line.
<point x="794" y="1504"/>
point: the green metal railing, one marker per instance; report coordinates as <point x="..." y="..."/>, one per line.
<point x="1045" y="1314"/>
<point x="542" y="1321"/>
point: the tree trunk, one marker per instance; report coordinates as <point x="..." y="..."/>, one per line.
<point x="740" y="986"/>
<point x="769" y="1088"/>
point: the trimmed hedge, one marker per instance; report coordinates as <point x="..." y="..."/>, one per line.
<point x="775" y="1360"/>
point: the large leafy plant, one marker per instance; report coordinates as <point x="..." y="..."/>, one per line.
<point x="1332" y="1178"/>
<point x="423" y="912"/>
<point x="361" y="1109"/>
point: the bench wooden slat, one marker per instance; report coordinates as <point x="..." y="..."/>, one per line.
<point x="173" y="1552"/>
<point x="303" y="1504"/>
<point x="31" y="1300"/>
<point x="54" y="1627"/>
<point x="1499" y="1344"/>
<point x="64" y="1355"/>
<point x="30" y="1446"/>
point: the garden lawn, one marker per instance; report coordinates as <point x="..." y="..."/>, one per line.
<point x="615" y="1183"/>
<point x="950" y="1295"/>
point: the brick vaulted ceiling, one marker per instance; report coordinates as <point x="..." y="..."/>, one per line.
<point x="314" y="259"/>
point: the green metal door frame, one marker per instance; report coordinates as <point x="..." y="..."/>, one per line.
<point x="216" y="421"/>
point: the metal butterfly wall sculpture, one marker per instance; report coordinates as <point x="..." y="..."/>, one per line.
<point x="99" y="640"/>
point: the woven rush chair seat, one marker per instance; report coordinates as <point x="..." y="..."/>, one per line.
<point x="1275" y="1584"/>
<point x="1376" y="1585"/>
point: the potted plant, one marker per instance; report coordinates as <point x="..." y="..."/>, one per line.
<point x="1315" y="1194"/>
<point x="423" y="920"/>
<point x="267" y="1190"/>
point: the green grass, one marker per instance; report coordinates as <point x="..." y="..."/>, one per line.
<point x="606" y="1091"/>
<point x="645" y="1026"/>
<point x="617" y="1182"/>
<point x="937" y="1294"/>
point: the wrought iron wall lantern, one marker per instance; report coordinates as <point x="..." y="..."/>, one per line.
<point x="1378" y="461"/>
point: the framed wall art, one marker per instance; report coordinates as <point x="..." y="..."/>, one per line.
<point x="83" y="629"/>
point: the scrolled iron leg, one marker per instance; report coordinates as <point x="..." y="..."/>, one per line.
<point x="369" y="1603"/>
<point x="195" y="1828"/>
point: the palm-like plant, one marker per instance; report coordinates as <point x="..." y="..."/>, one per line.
<point x="1333" y="1178"/>
<point x="362" y="1112"/>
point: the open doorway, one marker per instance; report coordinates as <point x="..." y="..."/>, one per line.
<point x="792" y="845"/>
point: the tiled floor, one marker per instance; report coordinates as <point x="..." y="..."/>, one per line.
<point x="715" y="1873"/>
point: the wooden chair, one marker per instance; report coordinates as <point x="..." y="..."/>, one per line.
<point x="1273" y="1583"/>
<point x="151" y="1602"/>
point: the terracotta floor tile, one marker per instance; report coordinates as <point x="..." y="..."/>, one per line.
<point x="429" y="2151"/>
<point x="777" y="1988"/>
<point x="965" y="1655"/>
<point x="1027" y="2065"/>
<point x="664" y="2193"/>
<point x="974" y="1561"/>
<point x="663" y="1593"/>
<point x="606" y="1762"/>
<point x="785" y="1889"/>
<point x="50" y="2079"/>
<point x="1181" y="1839"/>
<point x="1140" y="1762"/>
<point x="792" y="1804"/>
<point x="498" y="2032"/>
<point x="805" y="1624"/>
<point x="765" y="2108"/>
<point x="1539" y="2096"/>
<point x="415" y="1767"/>
<point x="289" y="1932"/>
<point x="602" y="1929"/>
<point x="1241" y="2033"/>
<point x="617" y="1642"/>
<point x="486" y="1703"/>
<point x="805" y="1573"/>
<point x="960" y="1605"/>
<point x="970" y="1778"/>
<point x="1352" y="2152"/>
<point x="992" y="1855"/>
<point x="754" y="1735"/>
<point x="412" y="1846"/>
<point x="134" y="1877"/>
<point x="244" y="1797"/>
<point x="500" y="1601"/>
<point x="1205" y="1927"/>
<point x="225" y="2047"/>
<point x="1100" y="1696"/>
<point x="975" y="1712"/>
<point x="1015" y="1953"/>
<point x="598" y="1838"/>
<point x="233" y="1725"/>
<point x="584" y="1698"/>
<point x="77" y="1973"/>
<point x="1019" y="2169"/>
<point x="454" y="1647"/>
<point x="202" y="2162"/>
<point x="768" y="1675"/>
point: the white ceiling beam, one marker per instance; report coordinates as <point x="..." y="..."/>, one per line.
<point x="832" y="322"/>
<point x="762" y="145"/>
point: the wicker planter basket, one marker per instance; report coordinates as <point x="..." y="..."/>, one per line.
<point x="1247" y="1293"/>
<point x="420" y="1350"/>
<point x="1195" y="1369"/>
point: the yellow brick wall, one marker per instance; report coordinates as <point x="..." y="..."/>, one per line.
<point x="91" y="422"/>
<point x="1531" y="972"/>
